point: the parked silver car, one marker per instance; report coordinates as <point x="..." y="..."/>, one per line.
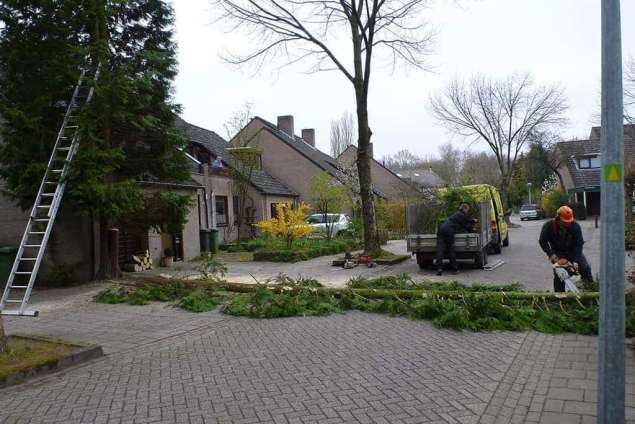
<point x="531" y="212"/>
<point x="338" y="223"/>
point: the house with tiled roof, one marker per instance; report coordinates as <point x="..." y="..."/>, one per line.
<point x="393" y="186"/>
<point x="580" y="169"/>
<point x="212" y="168"/>
<point x="294" y="160"/>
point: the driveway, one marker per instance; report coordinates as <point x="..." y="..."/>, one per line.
<point x="165" y="365"/>
<point x="524" y="262"/>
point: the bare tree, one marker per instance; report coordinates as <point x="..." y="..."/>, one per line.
<point x="300" y="31"/>
<point x="403" y="159"/>
<point x="244" y="162"/>
<point x="479" y="168"/>
<point x="343" y="133"/>
<point x="503" y="113"/>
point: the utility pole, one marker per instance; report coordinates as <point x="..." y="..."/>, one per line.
<point x="611" y="380"/>
<point x="529" y="190"/>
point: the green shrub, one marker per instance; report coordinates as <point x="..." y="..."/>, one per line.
<point x="579" y="211"/>
<point x="283" y="255"/>
<point x="552" y="200"/>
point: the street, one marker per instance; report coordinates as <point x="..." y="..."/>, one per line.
<point x="524" y="262"/>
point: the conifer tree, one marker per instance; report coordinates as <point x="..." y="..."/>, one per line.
<point x="128" y="131"/>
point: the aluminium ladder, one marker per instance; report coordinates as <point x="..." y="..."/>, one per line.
<point x="38" y="230"/>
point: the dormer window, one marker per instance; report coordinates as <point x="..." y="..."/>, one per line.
<point x="589" y="162"/>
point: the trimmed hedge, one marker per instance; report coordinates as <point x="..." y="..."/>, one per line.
<point x="304" y="250"/>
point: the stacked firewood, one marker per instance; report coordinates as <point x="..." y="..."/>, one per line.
<point x="139" y="262"/>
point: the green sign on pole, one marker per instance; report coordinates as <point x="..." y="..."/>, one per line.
<point x="613" y="173"/>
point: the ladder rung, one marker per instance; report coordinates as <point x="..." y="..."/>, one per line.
<point x="63" y="149"/>
<point x="36" y="232"/>
<point x="47" y="194"/>
<point x="12" y="301"/>
<point x="19" y="287"/>
<point x="28" y="259"/>
<point x="57" y="171"/>
<point x="23" y="272"/>
<point x="30" y="313"/>
<point x="44" y="206"/>
<point x="41" y="220"/>
<point x="51" y="182"/>
<point x="32" y="246"/>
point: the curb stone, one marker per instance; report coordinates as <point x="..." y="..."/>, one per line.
<point x="82" y="354"/>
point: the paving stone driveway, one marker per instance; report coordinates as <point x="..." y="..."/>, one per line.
<point x="164" y="365"/>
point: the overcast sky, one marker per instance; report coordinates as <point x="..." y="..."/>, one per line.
<point x="557" y="41"/>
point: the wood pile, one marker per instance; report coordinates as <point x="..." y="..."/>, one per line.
<point x="139" y="262"/>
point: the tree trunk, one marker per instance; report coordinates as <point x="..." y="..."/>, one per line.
<point x="108" y="262"/>
<point x="3" y="338"/>
<point x="371" y="236"/>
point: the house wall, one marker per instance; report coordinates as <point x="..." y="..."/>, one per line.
<point x="158" y="242"/>
<point x="385" y="181"/>
<point x="13" y="220"/>
<point x="70" y="244"/>
<point x="284" y="163"/>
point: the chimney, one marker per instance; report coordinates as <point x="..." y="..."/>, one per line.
<point x="285" y="124"/>
<point x="308" y="135"/>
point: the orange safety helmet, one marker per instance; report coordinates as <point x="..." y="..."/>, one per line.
<point x="565" y="213"/>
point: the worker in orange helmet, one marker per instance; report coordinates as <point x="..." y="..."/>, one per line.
<point x="561" y="238"/>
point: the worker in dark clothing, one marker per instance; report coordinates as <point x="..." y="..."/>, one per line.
<point x="561" y="238"/>
<point x="458" y="222"/>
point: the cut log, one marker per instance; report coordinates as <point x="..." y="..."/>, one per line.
<point x="132" y="268"/>
<point x="137" y="259"/>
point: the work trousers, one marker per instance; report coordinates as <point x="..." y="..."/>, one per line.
<point x="445" y="244"/>
<point x="583" y="267"/>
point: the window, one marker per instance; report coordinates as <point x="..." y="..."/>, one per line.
<point x="221" y="211"/>
<point x="589" y="162"/>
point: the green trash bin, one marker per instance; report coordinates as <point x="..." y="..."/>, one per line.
<point x="7" y="256"/>
<point x="213" y="240"/>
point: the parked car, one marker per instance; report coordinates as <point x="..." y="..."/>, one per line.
<point x="528" y="211"/>
<point x="338" y="223"/>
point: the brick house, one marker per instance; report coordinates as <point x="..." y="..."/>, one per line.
<point x="294" y="160"/>
<point x="212" y="165"/>
<point x="581" y="163"/>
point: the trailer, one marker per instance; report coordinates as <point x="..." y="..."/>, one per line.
<point x="422" y="221"/>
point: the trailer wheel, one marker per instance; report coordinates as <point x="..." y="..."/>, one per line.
<point x="480" y="259"/>
<point x="423" y="262"/>
<point x="506" y="241"/>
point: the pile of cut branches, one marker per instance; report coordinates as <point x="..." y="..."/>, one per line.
<point x="449" y="305"/>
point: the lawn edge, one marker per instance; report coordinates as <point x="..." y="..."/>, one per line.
<point x="83" y="353"/>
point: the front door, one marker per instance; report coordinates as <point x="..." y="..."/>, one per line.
<point x="177" y="246"/>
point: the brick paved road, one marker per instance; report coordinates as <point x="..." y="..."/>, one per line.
<point x="164" y="365"/>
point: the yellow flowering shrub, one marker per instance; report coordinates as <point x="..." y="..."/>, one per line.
<point x="290" y="224"/>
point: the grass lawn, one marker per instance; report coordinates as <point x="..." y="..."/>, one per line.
<point x="24" y="353"/>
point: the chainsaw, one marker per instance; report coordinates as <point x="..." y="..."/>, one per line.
<point x="568" y="273"/>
